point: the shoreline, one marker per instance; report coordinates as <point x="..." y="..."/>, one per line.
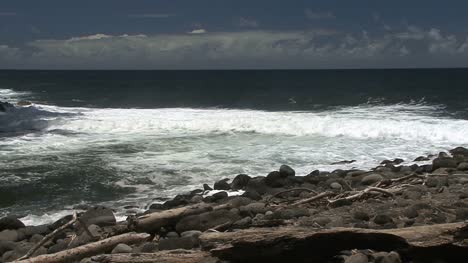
<point x="388" y="197"/>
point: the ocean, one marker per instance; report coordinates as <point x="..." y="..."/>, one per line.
<point x="127" y="139"/>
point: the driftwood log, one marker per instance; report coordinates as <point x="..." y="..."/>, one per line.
<point x="91" y="249"/>
<point x="293" y="244"/>
<point x="172" y="256"/>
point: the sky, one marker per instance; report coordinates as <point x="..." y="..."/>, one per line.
<point x="239" y="34"/>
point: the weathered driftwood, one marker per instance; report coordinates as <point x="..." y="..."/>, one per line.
<point x="172" y="256"/>
<point x="50" y="236"/>
<point x="151" y="223"/>
<point x="306" y="245"/>
<point x="91" y="249"/>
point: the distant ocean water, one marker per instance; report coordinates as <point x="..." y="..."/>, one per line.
<point x="131" y="138"/>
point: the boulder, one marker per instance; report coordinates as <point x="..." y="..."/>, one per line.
<point x="444" y="162"/>
<point x="253" y="209"/>
<point x="382" y="219"/>
<point x="206" y="187"/>
<point x="149" y="247"/>
<point x="98" y="215"/>
<point x="462" y="213"/>
<point x="222" y="185"/>
<point x="357" y="258"/>
<point x="463" y="166"/>
<point x="384" y="257"/>
<point x="243" y="223"/>
<point x="121" y="248"/>
<point x="178" y="243"/>
<point x="207" y="220"/>
<point x="30" y="231"/>
<point x="10" y="223"/>
<point x="289" y="213"/>
<point x="286" y="171"/>
<point x="9" y="235"/>
<point x="84" y="238"/>
<point x="421" y="159"/>
<point x="361" y="215"/>
<point x="275" y="179"/>
<point x="371" y="179"/>
<point x="240" y="182"/>
<point x="6" y="246"/>
<point x="459" y="151"/>
<point x="252" y="194"/>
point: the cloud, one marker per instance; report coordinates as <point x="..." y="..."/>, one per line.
<point x="155" y="16"/>
<point x="318" y="15"/>
<point x="246" y="22"/>
<point x="198" y="31"/>
<point x="415" y="47"/>
<point x="7" y="14"/>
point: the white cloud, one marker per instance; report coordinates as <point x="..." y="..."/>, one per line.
<point x="318" y="15"/>
<point x="151" y="15"/>
<point x="198" y="31"/>
<point x="248" y="49"/>
<point x="7" y="14"/>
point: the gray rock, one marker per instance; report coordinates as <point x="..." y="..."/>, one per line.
<point x="6" y="246"/>
<point x="30" y="231"/>
<point x="286" y="171"/>
<point x="384" y="257"/>
<point x="462" y="213"/>
<point x="361" y="215"/>
<point x="9" y="235"/>
<point x="207" y="187"/>
<point x="289" y="213"/>
<point x="258" y="184"/>
<point x="253" y="209"/>
<point x="239" y="201"/>
<point x="240" y="182"/>
<point x="99" y="215"/>
<point x="357" y="258"/>
<point x="336" y="186"/>
<point x="84" y="238"/>
<point x="275" y="179"/>
<point x="459" y="151"/>
<point x="191" y="233"/>
<point x="121" y="248"/>
<point x="149" y="247"/>
<point x="243" y="223"/>
<point x="172" y="235"/>
<point x="432" y="182"/>
<point x="59" y="246"/>
<point x="206" y="220"/>
<point x="371" y="179"/>
<point x="222" y="185"/>
<point x="11" y="223"/>
<point x="252" y="194"/>
<point x="219" y="196"/>
<point x="421" y="159"/>
<point x="463" y="166"/>
<point x="382" y="219"/>
<point x="323" y="221"/>
<point x="178" y="243"/>
<point x="444" y="162"/>
<point x="196" y="199"/>
<point x="36" y="238"/>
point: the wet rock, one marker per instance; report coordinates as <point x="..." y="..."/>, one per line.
<point x="288" y="213"/>
<point x="275" y="179"/>
<point x="462" y="213"/>
<point x="394" y="162"/>
<point x="382" y="219"/>
<point x="178" y="243"/>
<point x="179" y="200"/>
<point x="252" y="194"/>
<point x="206" y="187"/>
<point x="98" y="215"/>
<point x="9" y="235"/>
<point x="343" y="162"/>
<point x="240" y="182"/>
<point x="6" y="246"/>
<point x="421" y="159"/>
<point x="371" y="179"/>
<point x="222" y="185"/>
<point x="463" y="166"/>
<point x="206" y="220"/>
<point x="361" y="215"/>
<point x="253" y="209"/>
<point x="10" y="223"/>
<point x="121" y="248"/>
<point x="444" y="162"/>
<point x="219" y="196"/>
<point x="36" y="238"/>
<point x="258" y="184"/>
<point x="384" y="257"/>
<point x="336" y="186"/>
<point x="357" y="258"/>
<point x="286" y="171"/>
<point x="59" y="246"/>
<point x="196" y="199"/>
<point x="459" y="151"/>
<point x="149" y="247"/>
<point x="243" y="223"/>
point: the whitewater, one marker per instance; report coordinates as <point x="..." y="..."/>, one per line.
<point x="139" y="156"/>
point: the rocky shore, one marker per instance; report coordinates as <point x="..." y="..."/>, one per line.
<point x="392" y="213"/>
